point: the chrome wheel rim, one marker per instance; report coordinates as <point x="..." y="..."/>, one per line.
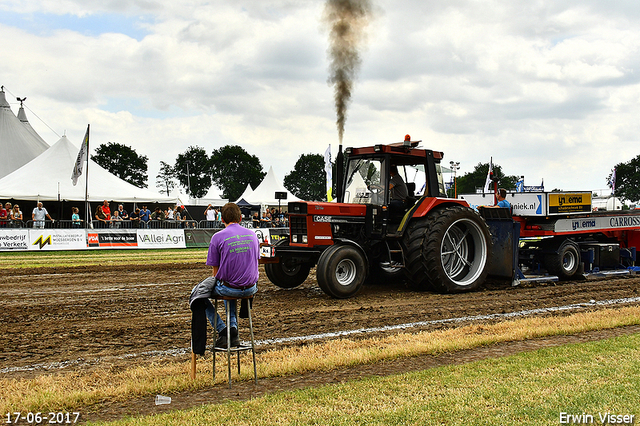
<point x="463" y="252"/>
<point x="345" y="272"/>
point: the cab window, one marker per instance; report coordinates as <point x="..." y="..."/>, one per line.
<point x="364" y="182"/>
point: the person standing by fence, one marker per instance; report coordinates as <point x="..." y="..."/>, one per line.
<point x="16" y="216"/>
<point x="75" y="218"/>
<point x="4" y="216"/>
<point x="38" y="216"/>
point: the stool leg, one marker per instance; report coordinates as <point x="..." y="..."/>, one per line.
<point x="228" y="342"/>
<point x="193" y="366"/>
<point x="253" y="346"/>
<point x="215" y="337"/>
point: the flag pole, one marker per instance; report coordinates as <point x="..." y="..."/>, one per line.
<point x="77" y="172"/>
<point x="87" y="209"/>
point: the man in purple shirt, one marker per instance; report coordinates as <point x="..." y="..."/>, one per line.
<point x="233" y="255"/>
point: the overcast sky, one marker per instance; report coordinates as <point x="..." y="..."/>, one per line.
<point x="549" y="89"/>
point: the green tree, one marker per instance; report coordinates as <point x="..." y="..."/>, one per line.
<point x="307" y="180"/>
<point x="468" y="183"/>
<point x="627" y="182"/>
<point x="232" y="168"/>
<point x="123" y="162"/>
<point x="166" y="178"/>
<point x="192" y="171"/>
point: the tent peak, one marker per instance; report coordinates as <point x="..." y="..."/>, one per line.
<point x="3" y="99"/>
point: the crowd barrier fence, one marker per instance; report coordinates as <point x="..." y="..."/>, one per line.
<point x="62" y="235"/>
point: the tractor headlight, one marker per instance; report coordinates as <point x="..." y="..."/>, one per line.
<point x="294" y="238"/>
<point x="304" y="239"/>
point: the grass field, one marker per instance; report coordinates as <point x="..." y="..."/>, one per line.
<point x="530" y="388"/>
<point x="53" y="392"/>
<point x="535" y="388"/>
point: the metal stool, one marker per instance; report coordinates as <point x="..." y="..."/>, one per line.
<point x="240" y="348"/>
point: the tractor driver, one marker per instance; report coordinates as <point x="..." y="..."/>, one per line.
<point x="398" y="190"/>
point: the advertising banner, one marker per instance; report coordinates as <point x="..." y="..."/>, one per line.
<point x="527" y="204"/>
<point x="14" y="239"/>
<point x="111" y="239"/>
<point x="598" y="223"/>
<point x="57" y="239"/>
<point x="81" y="239"/>
<point x="276" y="234"/>
<point x="161" y="238"/>
<point x="199" y="237"/>
<point x="522" y="203"/>
<point x="569" y="202"/>
<point x="202" y="237"/>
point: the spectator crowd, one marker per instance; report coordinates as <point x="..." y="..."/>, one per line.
<point x="105" y="217"/>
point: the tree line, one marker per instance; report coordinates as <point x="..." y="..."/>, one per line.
<point x="230" y="168"/>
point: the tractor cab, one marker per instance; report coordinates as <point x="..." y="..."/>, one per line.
<point x="392" y="178"/>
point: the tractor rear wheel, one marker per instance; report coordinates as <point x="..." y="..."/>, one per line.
<point x="448" y="250"/>
<point x="341" y="271"/>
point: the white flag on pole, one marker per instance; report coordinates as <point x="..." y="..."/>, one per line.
<point x="81" y="159"/>
<point x="487" y="183"/>
<point x="612" y="182"/>
<point x="328" y="171"/>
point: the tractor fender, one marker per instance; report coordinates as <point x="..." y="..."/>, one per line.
<point x="424" y="205"/>
<point x="352" y="243"/>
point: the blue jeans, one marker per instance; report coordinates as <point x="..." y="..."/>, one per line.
<point x="222" y="290"/>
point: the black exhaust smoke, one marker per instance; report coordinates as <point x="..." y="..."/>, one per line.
<point x="347" y="20"/>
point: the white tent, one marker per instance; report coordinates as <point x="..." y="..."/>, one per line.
<point x="20" y="143"/>
<point x="357" y="185"/>
<point x="22" y="116"/>
<point x="48" y="178"/>
<point x="265" y="193"/>
<point x="245" y="195"/>
<point x="211" y="197"/>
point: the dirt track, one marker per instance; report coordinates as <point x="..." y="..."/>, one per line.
<point x="61" y="315"/>
<point x="90" y="316"/>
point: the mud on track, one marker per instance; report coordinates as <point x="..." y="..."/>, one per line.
<point x="93" y="316"/>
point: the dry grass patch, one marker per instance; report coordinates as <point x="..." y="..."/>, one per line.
<point x="65" y="391"/>
<point x="530" y="388"/>
<point x="21" y="260"/>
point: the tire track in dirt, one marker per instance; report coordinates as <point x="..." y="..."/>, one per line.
<point x="50" y="316"/>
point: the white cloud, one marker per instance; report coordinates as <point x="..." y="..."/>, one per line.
<point x="549" y="89"/>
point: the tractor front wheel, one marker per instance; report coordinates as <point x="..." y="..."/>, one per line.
<point x="341" y="271"/>
<point x="287" y="274"/>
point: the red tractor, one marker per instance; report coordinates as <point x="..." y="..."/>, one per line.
<point x="433" y="242"/>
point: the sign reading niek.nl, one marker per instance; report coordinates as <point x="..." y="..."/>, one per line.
<point x="54" y="239"/>
<point x="161" y="238"/>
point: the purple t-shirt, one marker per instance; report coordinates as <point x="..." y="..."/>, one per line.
<point x="236" y="251"/>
